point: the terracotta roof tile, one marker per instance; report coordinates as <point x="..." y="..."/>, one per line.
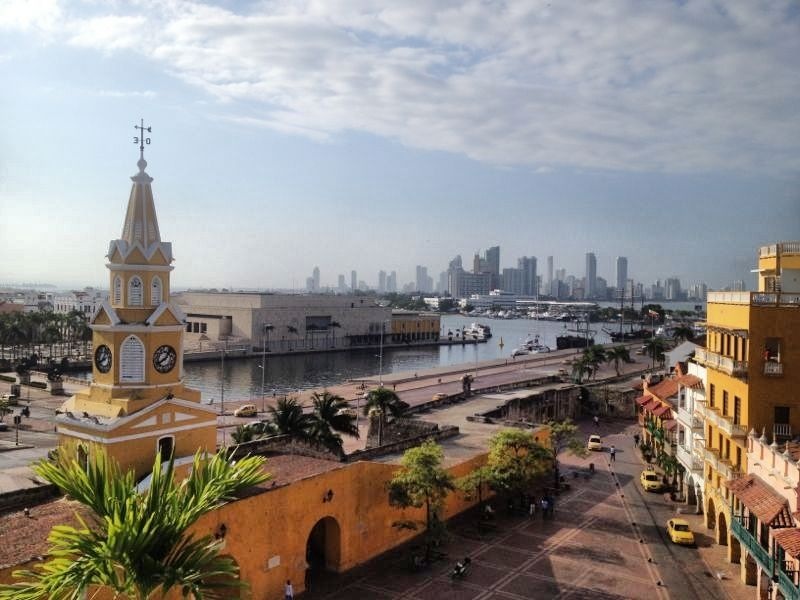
<point x="764" y="502"/>
<point x="642" y="400"/>
<point x="652" y="405"/>
<point x="670" y="424"/>
<point x="692" y="381"/>
<point x="25" y="538"/>
<point x="661" y="410"/>
<point x="665" y="389"/>
<point x="789" y="540"/>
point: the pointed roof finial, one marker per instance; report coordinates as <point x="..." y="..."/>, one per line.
<point x="142" y="140"/>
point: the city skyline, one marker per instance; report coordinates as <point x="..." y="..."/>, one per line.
<point x="356" y="138"/>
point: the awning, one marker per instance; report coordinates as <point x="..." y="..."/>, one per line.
<point x="642" y="400"/>
<point x="789" y="540"/>
<point x="669" y="424"/>
<point x="652" y="405"/>
<point x="661" y="410"/>
<point x="761" y="500"/>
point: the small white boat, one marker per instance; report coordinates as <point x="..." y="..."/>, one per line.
<point x="477" y="331"/>
<point x="531" y="346"/>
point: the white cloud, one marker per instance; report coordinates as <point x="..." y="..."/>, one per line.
<point x="126" y="94"/>
<point x="625" y="85"/>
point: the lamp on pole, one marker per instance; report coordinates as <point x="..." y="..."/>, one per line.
<point x="263" y="399"/>
<point x="263" y="365"/>
<point x="380" y="359"/>
<point x="222" y="393"/>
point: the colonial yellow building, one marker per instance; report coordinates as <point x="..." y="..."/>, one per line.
<point x="752" y="357"/>
<point x="137" y="405"/>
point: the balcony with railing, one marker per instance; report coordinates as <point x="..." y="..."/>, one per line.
<point x="688" y="419"/>
<point x="755" y="298"/>
<point x="788" y="586"/>
<point x="781" y="431"/>
<point x="782" y="247"/>
<point x="711" y="456"/>
<point x="773" y="369"/>
<point x="689" y="460"/>
<point x="751" y="544"/>
<point x="736" y="368"/>
<point x="727" y="470"/>
<point x="722" y="422"/>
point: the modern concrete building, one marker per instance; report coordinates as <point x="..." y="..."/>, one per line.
<point x="590" y="289"/>
<point x="527" y="264"/>
<point x="622" y="275"/>
<point x="87" y="301"/>
<point x="283" y="322"/>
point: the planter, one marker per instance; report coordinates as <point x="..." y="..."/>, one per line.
<point x="56" y="388"/>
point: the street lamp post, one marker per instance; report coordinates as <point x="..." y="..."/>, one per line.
<point x="380" y="359"/>
<point x="222" y="394"/>
<point x="263" y="368"/>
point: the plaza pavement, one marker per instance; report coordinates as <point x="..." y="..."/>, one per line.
<point x="605" y="542"/>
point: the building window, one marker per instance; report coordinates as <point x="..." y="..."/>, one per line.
<point x="711" y="391"/>
<point x="135" y="293"/>
<point x="117" y="290"/>
<point x="724" y="403"/>
<point x="131" y="368"/>
<point x="155" y="291"/>
<point x="737" y="410"/>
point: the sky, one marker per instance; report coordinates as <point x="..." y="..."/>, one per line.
<point x="365" y="135"/>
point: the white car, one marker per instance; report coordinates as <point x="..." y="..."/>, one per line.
<point x="595" y="443"/>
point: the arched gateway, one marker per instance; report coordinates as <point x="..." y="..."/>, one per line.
<point x="323" y="548"/>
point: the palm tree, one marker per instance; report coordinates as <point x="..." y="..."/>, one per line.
<point x="135" y="544"/>
<point x="384" y="400"/>
<point x="655" y="347"/>
<point x="334" y="325"/>
<point x="683" y="333"/>
<point x="580" y="367"/>
<point x="618" y="354"/>
<point x="289" y="419"/>
<point x="292" y="329"/>
<point x="595" y="356"/>
<point x="333" y="415"/>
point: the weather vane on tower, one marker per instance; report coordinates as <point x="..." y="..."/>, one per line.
<point x="141" y="139"/>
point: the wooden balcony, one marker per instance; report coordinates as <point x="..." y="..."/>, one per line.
<point x="735" y="368"/>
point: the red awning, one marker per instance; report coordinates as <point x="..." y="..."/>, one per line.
<point x="661" y="410"/>
<point x="652" y="405"/>
<point x="669" y="424"/>
<point x="642" y="400"/>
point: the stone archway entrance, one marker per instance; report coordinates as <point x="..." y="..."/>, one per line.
<point x="323" y="549"/>
<point x="722" y="529"/>
<point x="710" y="514"/>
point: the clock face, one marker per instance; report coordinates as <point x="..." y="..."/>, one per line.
<point x="102" y="358"/>
<point x="164" y="358"/>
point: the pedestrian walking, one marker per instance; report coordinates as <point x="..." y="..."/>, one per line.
<point x="545" y="506"/>
<point x="635" y="440"/>
<point x="596" y="420"/>
<point x="551" y="506"/>
<point x="532" y="509"/>
<point x="288" y="590"/>
<point x="613" y="453"/>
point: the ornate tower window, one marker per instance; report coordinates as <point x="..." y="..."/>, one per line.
<point x="117" y="290"/>
<point x="131" y="368"/>
<point x="155" y="291"/>
<point x="135" y="291"/>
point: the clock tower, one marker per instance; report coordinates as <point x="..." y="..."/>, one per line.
<point x="137" y="405"/>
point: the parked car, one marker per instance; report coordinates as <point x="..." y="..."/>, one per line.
<point x="246" y="410"/>
<point x="439" y="396"/>
<point x="679" y="532"/>
<point x="595" y="443"/>
<point x="651" y="482"/>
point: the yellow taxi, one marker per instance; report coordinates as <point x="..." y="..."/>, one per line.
<point x="594" y="443"/>
<point x="679" y="532"/>
<point x="651" y="481"/>
<point x="248" y="410"/>
<point x="439" y="396"/>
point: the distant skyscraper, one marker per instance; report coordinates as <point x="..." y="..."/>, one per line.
<point x="477" y="267"/>
<point x="315" y="276"/>
<point x="422" y="278"/>
<point x="342" y="285"/>
<point x="493" y="265"/>
<point x="441" y="287"/>
<point x="673" y="289"/>
<point x="391" y="282"/>
<point x="590" y="287"/>
<point x="622" y="275"/>
<point x="353" y="281"/>
<point x="514" y="281"/>
<point x="549" y="272"/>
<point x="527" y="264"/>
<point x="381" y="282"/>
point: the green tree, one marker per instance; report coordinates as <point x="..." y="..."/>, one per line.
<point x="138" y="544"/>
<point x="655" y="347"/>
<point x="616" y="355"/>
<point x="580" y="367"/>
<point x="564" y="437"/>
<point x="473" y="484"/>
<point x="386" y="402"/>
<point x="683" y="333"/>
<point x="289" y="419"/>
<point x="332" y="416"/>
<point x="594" y="356"/>
<point x="422" y="481"/>
<point x="516" y="460"/>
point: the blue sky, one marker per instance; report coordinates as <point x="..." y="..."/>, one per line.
<point x="357" y="134"/>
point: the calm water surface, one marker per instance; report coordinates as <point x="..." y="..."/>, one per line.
<point x="286" y="374"/>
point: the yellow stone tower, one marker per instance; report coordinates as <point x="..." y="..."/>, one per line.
<point x="137" y="405"/>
